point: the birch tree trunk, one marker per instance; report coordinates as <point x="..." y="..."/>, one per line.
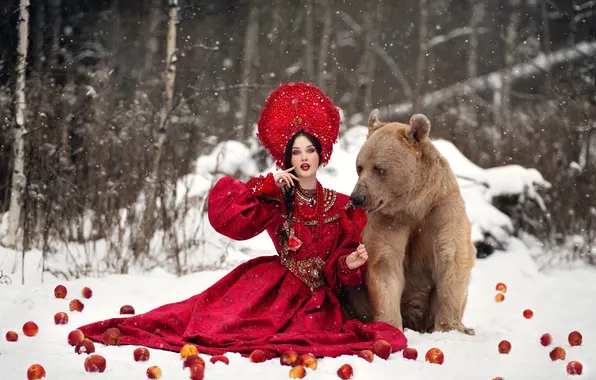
<point x="170" y="76"/>
<point x="18" y="170"/>
<point x="324" y="47"/>
<point x="248" y="70"/>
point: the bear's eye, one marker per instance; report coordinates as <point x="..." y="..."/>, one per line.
<point x="379" y="171"/>
<point x="358" y="169"/>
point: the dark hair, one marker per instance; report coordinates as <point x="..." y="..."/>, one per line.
<point x="289" y="192"/>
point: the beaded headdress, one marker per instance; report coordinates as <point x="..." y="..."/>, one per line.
<point x="295" y="107"/>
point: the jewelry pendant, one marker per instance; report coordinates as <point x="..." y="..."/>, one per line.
<point x="294" y="243"/>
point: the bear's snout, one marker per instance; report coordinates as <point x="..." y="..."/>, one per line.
<point x="357" y="199"/>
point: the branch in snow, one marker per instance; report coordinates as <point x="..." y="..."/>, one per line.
<point x="492" y="81"/>
<point x="4" y="279"/>
<point x="437" y="40"/>
<point x="586" y="5"/>
<point x="204" y="47"/>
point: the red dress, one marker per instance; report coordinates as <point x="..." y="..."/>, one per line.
<point x="273" y="303"/>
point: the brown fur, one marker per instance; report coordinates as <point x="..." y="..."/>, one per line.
<point x="418" y="235"/>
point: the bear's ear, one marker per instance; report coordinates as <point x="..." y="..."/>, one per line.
<point x="373" y="122"/>
<point x="420" y="127"/>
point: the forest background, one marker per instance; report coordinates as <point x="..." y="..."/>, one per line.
<point x="111" y="102"/>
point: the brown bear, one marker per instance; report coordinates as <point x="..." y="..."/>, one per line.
<point x="418" y="234"/>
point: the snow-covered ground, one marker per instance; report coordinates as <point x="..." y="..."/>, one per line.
<point x="562" y="299"/>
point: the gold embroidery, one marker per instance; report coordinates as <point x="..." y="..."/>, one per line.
<point x="330" y="197"/>
<point x="309" y="271"/>
<point x="313" y="222"/>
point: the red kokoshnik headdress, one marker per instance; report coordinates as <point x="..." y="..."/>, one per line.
<point x="295" y="107"/>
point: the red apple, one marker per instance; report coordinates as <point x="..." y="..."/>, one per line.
<point x="30" y="328"/>
<point x="12" y="336"/>
<point x="500" y="297"/>
<point x="308" y="361"/>
<point x="504" y="347"/>
<point x="127" y="309"/>
<point x="528" y="314"/>
<point x="575" y="368"/>
<point x="345" y="372"/>
<point x="381" y="348"/>
<point x="298" y="372"/>
<point x="141" y="354"/>
<point x="289" y="358"/>
<point x="85" y="346"/>
<point x="112" y="337"/>
<point x="575" y="338"/>
<point x="497" y="378"/>
<point x="558" y="353"/>
<point x="434" y="356"/>
<point x="76" y="305"/>
<point x="410" y="353"/>
<point x="74" y="337"/>
<point x="191" y="360"/>
<point x="546" y="339"/>
<point x="95" y="363"/>
<point x="86" y="292"/>
<point x="35" y="372"/>
<point x="154" y="372"/>
<point x="219" y="358"/>
<point x="197" y="372"/>
<point x="60" y="318"/>
<point x="367" y="355"/>
<point x="257" y="356"/>
<point x="60" y="291"/>
<point x="501" y="287"/>
<point x="187" y="350"/>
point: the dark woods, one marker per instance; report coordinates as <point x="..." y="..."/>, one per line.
<point x="95" y="90"/>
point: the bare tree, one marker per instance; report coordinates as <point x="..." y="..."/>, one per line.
<point x="56" y="26"/>
<point x="324" y="46"/>
<point x="545" y="37"/>
<point x="18" y="171"/>
<point x="421" y="61"/>
<point x="248" y="66"/>
<point x="38" y="37"/>
<point x="503" y="113"/>
<point x="476" y="20"/>
<point x="362" y="76"/>
<point x="309" y="49"/>
<point x="152" y="44"/>
<point x="170" y="76"/>
<point x="372" y="60"/>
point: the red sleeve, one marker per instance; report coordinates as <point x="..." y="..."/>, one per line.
<point x="242" y="211"/>
<point x="337" y="271"/>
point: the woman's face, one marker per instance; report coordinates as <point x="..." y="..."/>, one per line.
<point x="305" y="158"/>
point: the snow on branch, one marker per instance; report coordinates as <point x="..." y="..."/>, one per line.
<point x="492" y="81"/>
<point x="437" y="40"/>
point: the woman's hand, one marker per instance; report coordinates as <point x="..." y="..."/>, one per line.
<point x="285" y="178"/>
<point x="357" y="258"/>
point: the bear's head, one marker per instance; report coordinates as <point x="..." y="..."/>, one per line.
<point x="390" y="164"/>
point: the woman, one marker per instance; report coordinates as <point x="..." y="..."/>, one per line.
<point x="289" y="300"/>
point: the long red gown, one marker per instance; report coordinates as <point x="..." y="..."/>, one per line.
<point x="273" y="303"/>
